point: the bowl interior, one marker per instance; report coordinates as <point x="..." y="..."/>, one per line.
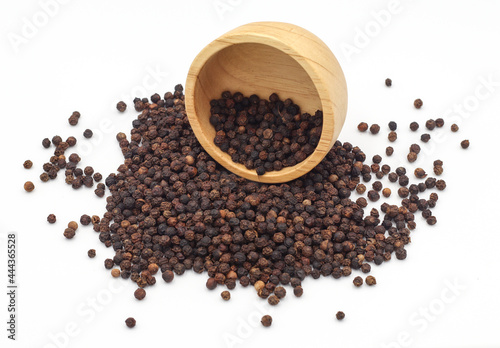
<point x="252" y="68"/>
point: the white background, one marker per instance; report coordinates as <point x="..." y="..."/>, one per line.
<point x="87" y="55"/>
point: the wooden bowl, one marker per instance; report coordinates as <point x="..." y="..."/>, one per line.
<point x="264" y="58"/>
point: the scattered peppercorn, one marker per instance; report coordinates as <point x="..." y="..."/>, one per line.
<point x="130" y="322"/>
<point x="51" y="218"/>
<point x="121" y="106"/>
<point x="88" y="133"/>
<point x="454" y="128"/>
<point x="340" y="315"/>
<point x="388" y="82"/>
<point x="389" y="151"/>
<point x="273" y="300"/>
<point x="370" y="280"/>
<point x="358" y="281"/>
<point x="91" y="253"/>
<point x="363" y="126"/>
<point x="439" y="122"/>
<point x="393" y="126"/>
<point x="226" y="295"/>
<point x="46" y="143"/>
<point x="418" y="103"/>
<point x="266" y="320"/>
<point x="71" y="141"/>
<point x="412" y="157"/>
<point x="29" y="186"/>
<point x="69" y="233"/>
<point x="115" y="272"/>
<point x="440" y="185"/>
<point x="420" y="173"/>
<point x="298" y="291"/>
<point x="73" y="225"/>
<point x="386" y="192"/>
<point x="438" y="170"/>
<point x="392" y="136"/>
<point x="425" y="137"/>
<point x="465" y="144"/>
<point x="374" y="128"/>
<point x="44" y="177"/>
<point x="27" y="164"/>
<point x="140" y="294"/>
<point x="74" y="118"/>
<point x="430" y="124"/>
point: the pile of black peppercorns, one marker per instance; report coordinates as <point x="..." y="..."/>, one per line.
<point x="172" y="208"/>
<point x="265" y="135"/>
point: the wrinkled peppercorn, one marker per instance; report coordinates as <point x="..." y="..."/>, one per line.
<point x="340" y="315"/>
<point x="425" y="137"/>
<point x="226" y="295"/>
<point x="465" y="144"/>
<point x="51" y="218"/>
<point x="430" y="124"/>
<point x="388" y="82"/>
<point x="454" y="127"/>
<point x="358" y="281"/>
<point x="140" y="294"/>
<point x="420" y="173"/>
<point x="27" y="164"/>
<point x="392" y="136"/>
<point x="374" y="128"/>
<point x="363" y="126"/>
<point x="414" y="126"/>
<point x="370" y="280"/>
<point x="439" y="122"/>
<point x="389" y="151"/>
<point x="85" y="220"/>
<point x="121" y="106"/>
<point x="130" y="322"/>
<point x="91" y="253"/>
<point x="266" y="320"/>
<point x="418" y="103"/>
<point x="298" y="291"/>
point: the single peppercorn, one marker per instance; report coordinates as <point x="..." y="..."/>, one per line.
<point x="386" y="192"/>
<point x="298" y="291"/>
<point x="91" y="253"/>
<point x="412" y="157"/>
<point x="130" y="322"/>
<point x="226" y="295"/>
<point x="140" y="294"/>
<point x="389" y="151"/>
<point x="73" y="120"/>
<point x="414" y="126"/>
<point x="73" y="225"/>
<point x="438" y="170"/>
<point x="388" y="82"/>
<point x="374" y="128"/>
<point x="358" y="281"/>
<point x="88" y="133"/>
<point x="280" y="292"/>
<point x="393" y="126"/>
<point x="440" y="185"/>
<point x="27" y="164"/>
<point x="425" y="137"/>
<point x="370" y="280"/>
<point x="71" y="141"/>
<point x="121" y="106"/>
<point x="266" y="320"/>
<point x="431" y="220"/>
<point x="69" y="233"/>
<point x="439" y="122"/>
<point x="46" y="143"/>
<point x="430" y="124"/>
<point x="56" y="140"/>
<point x="211" y="284"/>
<point x="115" y="272"/>
<point x="29" y="186"/>
<point x="392" y="136"/>
<point x="373" y="195"/>
<point x="465" y="144"/>
<point x="273" y="300"/>
<point x="454" y="128"/>
<point x="340" y="315"/>
<point x="418" y="103"/>
<point x="360" y="188"/>
<point x="109" y="263"/>
<point x="44" y="177"/>
<point x="420" y="173"/>
<point x="85" y="220"/>
<point x="363" y="126"/>
<point x="51" y="219"/>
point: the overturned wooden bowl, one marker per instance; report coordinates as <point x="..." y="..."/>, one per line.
<point x="264" y="58"/>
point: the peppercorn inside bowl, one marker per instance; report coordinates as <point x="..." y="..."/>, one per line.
<point x="262" y="59"/>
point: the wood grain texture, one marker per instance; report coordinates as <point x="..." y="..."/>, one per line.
<point x="262" y="58"/>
